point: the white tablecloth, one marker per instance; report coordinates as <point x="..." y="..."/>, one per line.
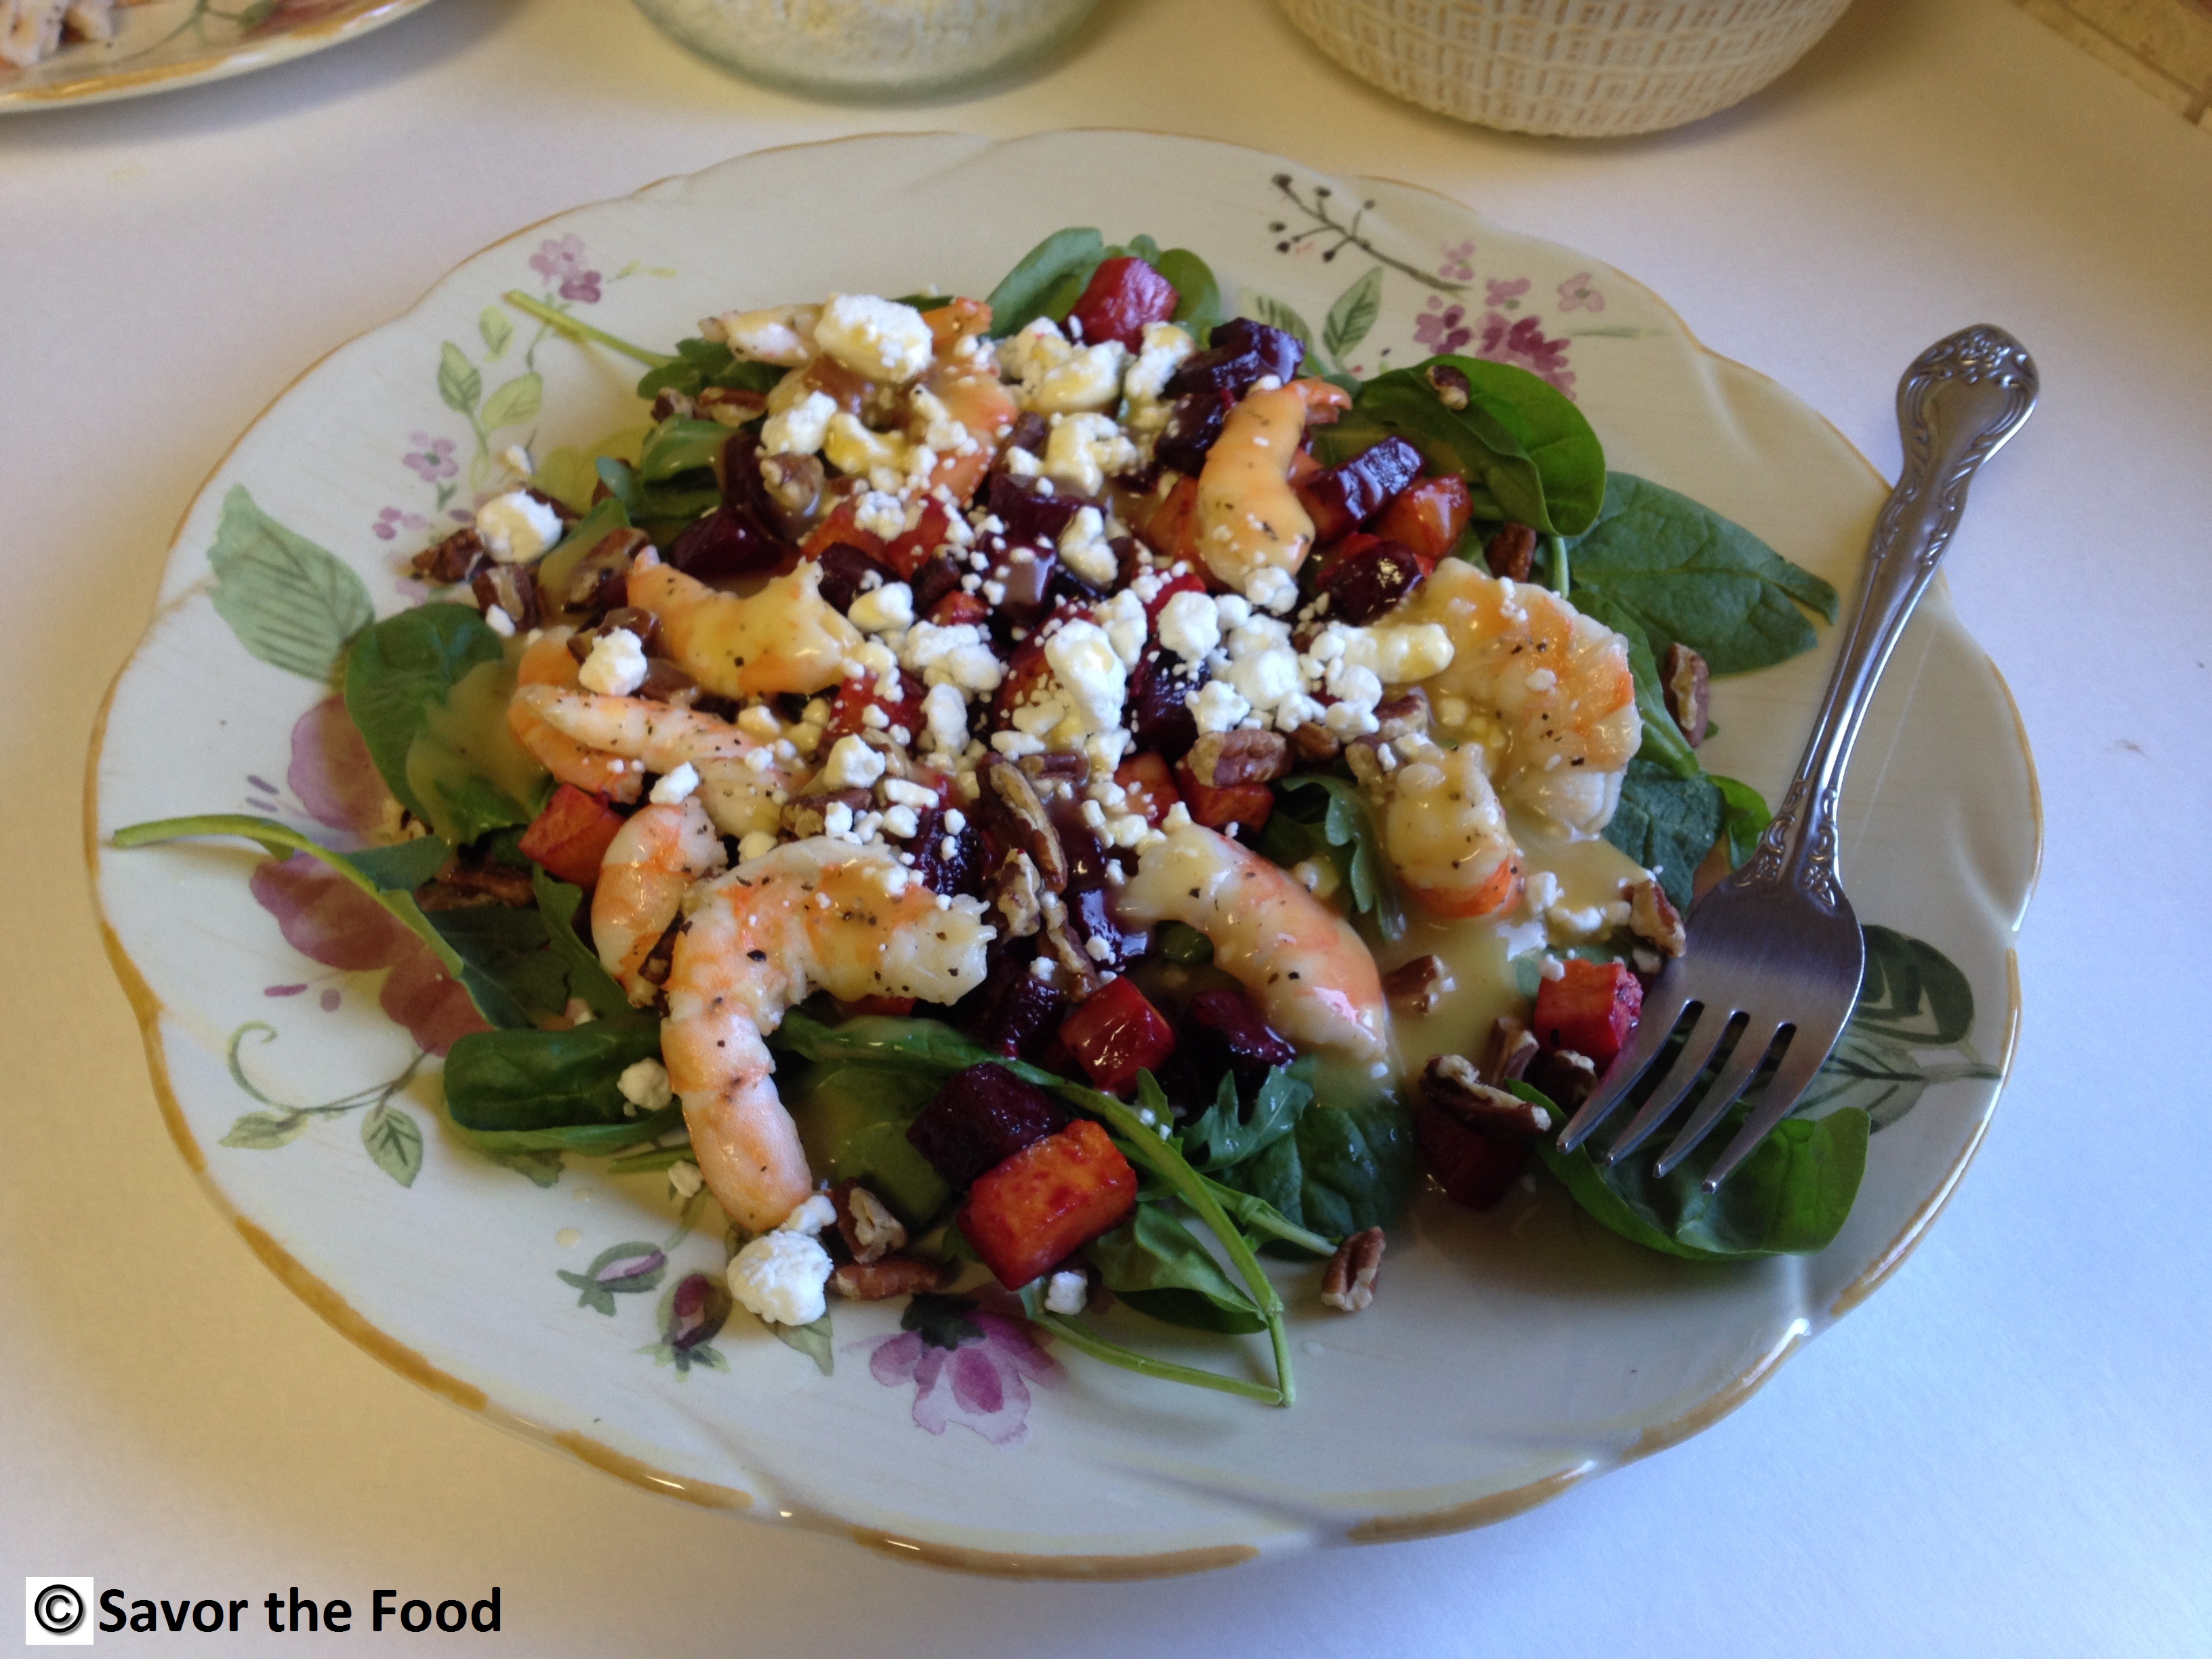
<point x="2008" y="1451"/>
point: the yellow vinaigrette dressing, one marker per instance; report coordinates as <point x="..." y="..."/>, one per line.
<point x="467" y="738"/>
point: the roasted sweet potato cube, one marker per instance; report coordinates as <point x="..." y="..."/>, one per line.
<point x="1591" y="1008"/>
<point x="1047" y="1201"/>
<point x="571" y="835"/>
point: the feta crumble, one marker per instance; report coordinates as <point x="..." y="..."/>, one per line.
<point x="616" y="665"/>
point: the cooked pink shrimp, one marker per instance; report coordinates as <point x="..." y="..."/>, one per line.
<point x="1308" y="971"/>
<point x="1445" y="831"/>
<point x="652" y="861"/>
<point x="1247" y="516"/>
<point x="787" y="637"/>
<point x="548" y="664"/>
<point x="812" y="915"/>
<point x="1555" y="685"/>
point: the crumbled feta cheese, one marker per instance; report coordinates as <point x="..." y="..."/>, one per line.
<point x="882" y="515"/>
<point x="758" y="720"/>
<point x="810" y="1217"/>
<point x="799" y="430"/>
<point x="517" y="527"/>
<point x="676" y="787"/>
<point x="1083" y="546"/>
<point x="1272" y="589"/>
<point x="757" y="845"/>
<point x="878" y="339"/>
<point x="945" y="713"/>
<point x="1264" y="678"/>
<point x="1086" y="664"/>
<point x="616" y="665"/>
<point x="1123" y="619"/>
<point x="959" y="654"/>
<point x="1398" y="655"/>
<point x="1083" y="450"/>
<point x="1190" y="626"/>
<point x="684" y="1176"/>
<point x="1217" y="707"/>
<point x="499" y="622"/>
<point x="900" y="825"/>
<point x="884" y="609"/>
<point x="1164" y="350"/>
<point x="644" y="1084"/>
<point x="1021" y="463"/>
<point x="783" y="334"/>
<point x="900" y="792"/>
<point x="1066" y="1292"/>
<point x="1058" y="378"/>
<point x="779" y="1277"/>
<point x="880" y="458"/>
<point x="852" y="765"/>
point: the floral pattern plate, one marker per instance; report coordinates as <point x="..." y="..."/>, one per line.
<point x="1510" y="1355"/>
<point x="174" y="43"/>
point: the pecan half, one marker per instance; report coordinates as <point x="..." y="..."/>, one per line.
<point x="1349" y="1284"/>
<point x="1420" y="985"/>
<point x="1450" y="385"/>
<point x="1012" y="809"/>
<point x="1080" y="971"/>
<point x="730" y="405"/>
<point x="1362" y="754"/>
<point x="1512" y="1046"/>
<point x="1511" y="552"/>
<point x="1316" y="743"/>
<point x="1404" y="716"/>
<point x="895" y="1275"/>
<point x="1450" y="1085"/>
<point x="600" y="579"/>
<point x="1686" y="683"/>
<point x="794" y="488"/>
<point x="1220" y="759"/>
<point x="513" y="589"/>
<point x="870" y="1230"/>
<point x="1567" y="1076"/>
<point x="1057" y="768"/>
<point x="805" y="816"/>
<point x="1017" y="895"/>
<point x="452" y="559"/>
<point x="1652" y="916"/>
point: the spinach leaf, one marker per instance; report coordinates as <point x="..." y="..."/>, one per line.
<point x="1790" y="1197"/>
<point x="1744" y="817"/>
<point x="1342" y="1169"/>
<point x="1667" y="823"/>
<point x="852" y="1121"/>
<point x="557" y="902"/>
<point x="1025" y="293"/>
<point x="1159" y="1266"/>
<point x="398" y="676"/>
<point x="678" y="446"/>
<point x="1336" y="826"/>
<point x="620" y="480"/>
<point x="1663" y="743"/>
<point x="533" y="1089"/>
<point x="885" y="1040"/>
<point x="1671" y="570"/>
<point x="699" y="364"/>
<point x="513" y="978"/>
<point x="1222" y="1135"/>
<point x="1198" y="309"/>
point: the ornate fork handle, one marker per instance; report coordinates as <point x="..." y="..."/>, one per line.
<point x="1957" y="405"/>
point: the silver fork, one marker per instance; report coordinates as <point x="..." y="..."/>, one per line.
<point x="1774" y="952"/>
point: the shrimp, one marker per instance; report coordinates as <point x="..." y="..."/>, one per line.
<point x="787" y="637"/>
<point x="812" y="915"/>
<point x="1300" y="960"/>
<point x="549" y="666"/>
<point x="654" y="857"/>
<point x="742" y="781"/>
<point x="961" y="411"/>
<point x="1445" y="831"/>
<point x="1553" y="687"/>
<point x="783" y="334"/>
<point x="1247" y="517"/>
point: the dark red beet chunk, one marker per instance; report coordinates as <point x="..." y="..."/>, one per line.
<point x="1025" y="575"/>
<point x="1124" y="295"/>
<point x="936" y="579"/>
<point x="1032" y="518"/>
<point x="960" y="870"/>
<point x="1248" y="1043"/>
<point x="1192" y="425"/>
<point x="1347" y="495"/>
<point x="1370" y="581"/>
<point x="981" y="1118"/>
<point x="726" y="543"/>
<point x="1164" y="724"/>
<point x="1020" y="1010"/>
<point x="1116" y="1034"/>
<point x="743" y="487"/>
<point x="1240" y="353"/>
<point x="845" y="572"/>
<point x="1477" y="1169"/>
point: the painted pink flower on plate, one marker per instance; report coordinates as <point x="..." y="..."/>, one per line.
<point x="1523" y="344"/>
<point x="561" y="259"/>
<point x="1440" y="327"/>
<point x="968" y="1366"/>
<point x="1575" y="294"/>
<point x="1458" y="264"/>
<point x="333" y="777"/>
<point x="1505" y="295"/>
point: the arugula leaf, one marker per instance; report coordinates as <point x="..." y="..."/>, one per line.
<point x="1159" y="1266"/>
<point x="1666" y="569"/>
<point x="1025" y="293"/>
<point x="398" y="676"/>
<point x="1667" y="823"/>
<point x="1222" y="1135"/>
<point x="1338" y="827"/>
<point x="533" y="1089"/>
<point x="1789" y="1197"/>
<point x="699" y="364"/>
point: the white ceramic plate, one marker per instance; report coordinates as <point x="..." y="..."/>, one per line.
<point x="175" y="43"/>
<point x="1510" y="1355"/>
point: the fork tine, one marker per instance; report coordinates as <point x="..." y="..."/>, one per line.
<point x="1662" y="1010"/>
<point x="1704" y="1037"/>
<point x="1742" y="1064"/>
<point x="1790" y="1079"/>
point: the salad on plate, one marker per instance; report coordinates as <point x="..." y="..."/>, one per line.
<point x="1055" y="790"/>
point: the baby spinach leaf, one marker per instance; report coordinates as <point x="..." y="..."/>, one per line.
<point x="533" y="1089"/>
<point x="605" y="517"/>
<point x="1223" y="1135"/>
<point x="1024" y="292"/>
<point x="557" y="902"/>
<point x="677" y="446"/>
<point x="1666" y="823"/>
<point x="620" y="480"/>
<point x="290" y="602"/>
<point x="1669" y="569"/>
<point x="853" y="1120"/>
<point x="512" y="977"/>
<point x="883" y="1040"/>
<point x="1789" y="1197"/>
<point x="1198" y="309"/>
<point x="399" y="676"/>
<point x="1342" y="1169"/>
<point x="1159" y="1266"/>
<point x="1744" y="817"/>
<point x="1336" y="825"/>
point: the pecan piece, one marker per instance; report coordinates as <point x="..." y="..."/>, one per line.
<point x="460" y="886"/>
<point x="870" y="1230"/>
<point x="795" y="486"/>
<point x="1686" y="681"/>
<point x="600" y="579"/>
<point x="670" y="404"/>
<point x="1450" y="1085"/>
<point x="1220" y="759"/>
<point x="730" y="405"/>
<point x="805" y="815"/>
<point x="1364" y="755"/>
<point x="452" y="560"/>
<point x="895" y="1275"/>
<point x="1420" y="985"/>
<point x="1652" y="916"/>
<point x="1567" y="1076"/>
<point x="1349" y="1284"/>
<point x="1013" y="808"/>
<point x="1511" y="552"/>
<point x="1017" y="895"/>
<point x="1512" y="1046"/>
<point x="1450" y="385"/>
<point x="1080" y="971"/>
<point x="513" y="589"/>
<point x="1056" y="767"/>
<point x="1404" y="716"/>
<point x="1316" y="744"/>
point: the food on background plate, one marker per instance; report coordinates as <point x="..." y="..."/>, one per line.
<point x="1047" y="788"/>
<point x="33" y="29"/>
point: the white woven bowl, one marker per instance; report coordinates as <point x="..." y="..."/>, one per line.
<point x="1581" y="69"/>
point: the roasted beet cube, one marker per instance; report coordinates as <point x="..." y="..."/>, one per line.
<point x="845" y="572"/>
<point x="1226" y="1021"/>
<point x="1240" y="353"/>
<point x="1164" y="722"/>
<point x="1591" y="1008"/>
<point x="1342" y="498"/>
<point x="981" y="1118"/>
<point x="743" y="487"/>
<point x="910" y="549"/>
<point x="1123" y="295"/>
<point x="1048" y="1201"/>
<point x="848" y="710"/>
<point x="959" y="609"/>
<point x="571" y="835"/>
<point x="947" y="860"/>
<point x="1024" y="577"/>
<point x="936" y="579"/>
<point x="1190" y="582"/>
<point x="726" y="543"/>
<point x="1218" y="806"/>
<point x="1429" y="517"/>
<point x="1370" y="580"/>
<point x="1032" y="518"/>
<point x="842" y="524"/>
<point x="1117" y="1033"/>
<point x="1018" y="1009"/>
<point x="1193" y="425"/>
<point x="1475" y="1167"/>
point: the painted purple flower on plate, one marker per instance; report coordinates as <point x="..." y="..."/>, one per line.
<point x="561" y="259"/>
<point x="968" y="1366"/>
